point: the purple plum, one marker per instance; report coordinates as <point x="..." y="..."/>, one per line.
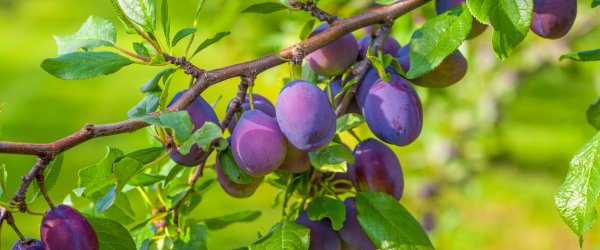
<point x="389" y="47"/>
<point x="334" y="58"/>
<point x="260" y="102"/>
<point x="336" y="87"/>
<point x="30" y="244"/>
<point x="296" y="160"/>
<point x="322" y="235"/>
<point x="65" y="228"/>
<point x="451" y="70"/>
<point x="553" y="18"/>
<point x="305" y="115"/>
<point x="234" y="189"/>
<point x="352" y="234"/>
<point x="257" y="144"/>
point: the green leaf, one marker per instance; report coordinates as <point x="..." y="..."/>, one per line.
<point x="323" y="206"/>
<point x="284" y="235"/>
<point x="3" y="181"/>
<point x="388" y="224"/>
<point x="211" y="41"/>
<point x="99" y="176"/>
<point x="158" y="59"/>
<point x="173" y="173"/>
<point x="182" y="34"/>
<point x="595" y="3"/>
<point x="144" y="49"/>
<point x="198" y="9"/>
<point x="146" y="106"/>
<point x="583" y="56"/>
<point x="509" y="18"/>
<point x="203" y="137"/>
<point x="82" y="65"/>
<point x="106" y="201"/>
<point x="120" y="211"/>
<point x="333" y="158"/>
<point x="306" y="30"/>
<point x="178" y="121"/>
<point x="153" y="85"/>
<point x="165" y="19"/>
<point x="437" y="39"/>
<point x="593" y="114"/>
<point x="124" y="170"/>
<point x="141" y="12"/>
<point x="265" y="8"/>
<point x="193" y="238"/>
<point x="95" y="32"/>
<point x="576" y="198"/>
<point x="111" y="235"/>
<point x="226" y="220"/>
<point x="348" y="121"/>
<point x="308" y="74"/>
<point x="377" y="63"/>
<point x="143" y="179"/>
<point x="231" y="169"/>
<point x="50" y="176"/>
<point x="146" y="155"/>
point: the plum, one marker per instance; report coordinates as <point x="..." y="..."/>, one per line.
<point x="234" y="189"/>
<point x="296" y="160"/>
<point x="352" y="234"/>
<point x="367" y="82"/>
<point x="305" y="115"/>
<point x="200" y="112"/>
<point x="451" y="70"/>
<point x="442" y="6"/>
<point x="393" y="111"/>
<point x="376" y="169"/>
<point x="260" y="102"/>
<point x="336" y="87"/>
<point x="65" y="228"/>
<point x="257" y="144"/>
<point x="389" y="47"/>
<point x="30" y="244"/>
<point x="322" y="235"/>
<point x="334" y="58"/>
<point x="553" y="18"/>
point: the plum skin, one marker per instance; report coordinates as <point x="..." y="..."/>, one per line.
<point x="553" y="19"/>
<point x="200" y="112"/>
<point x="451" y="70"/>
<point x="296" y="160"/>
<point x="65" y="228"/>
<point x="234" y="189"/>
<point x="257" y="144"/>
<point x="376" y="169"/>
<point x="322" y="235"/>
<point x="442" y="6"/>
<point x="260" y="102"/>
<point x="389" y="47"/>
<point x="334" y="58"/>
<point x="394" y="112"/>
<point x="352" y="234"/>
<point x="305" y="116"/>
<point x="30" y="244"/>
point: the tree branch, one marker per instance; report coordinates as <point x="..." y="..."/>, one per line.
<point x="314" y="11"/>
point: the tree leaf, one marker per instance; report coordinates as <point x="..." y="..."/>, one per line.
<point x="333" y="158"/>
<point x="265" y="8"/>
<point x="198" y="9"/>
<point x="3" y="181"/>
<point x="211" y="41"/>
<point x="146" y="155"/>
<point x="95" y="32"/>
<point x="146" y="106"/>
<point x="576" y="198"/>
<point x="306" y="29"/>
<point x="583" y="56"/>
<point x="348" y="121"/>
<point x="111" y="235"/>
<point x="231" y="169"/>
<point x="193" y="238"/>
<point x="144" y="48"/>
<point x="123" y="171"/>
<point x="223" y="221"/>
<point x="99" y="176"/>
<point x="437" y="39"/>
<point x="165" y="19"/>
<point x="284" y="235"/>
<point x="595" y="3"/>
<point x="203" y="137"/>
<point x="509" y="18"/>
<point x="182" y="34"/>
<point x="143" y="179"/>
<point x="173" y="173"/>
<point x="388" y="224"/>
<point x="51" y="174"/>
<point x="323" y="206"/>
<point x="82" y="65"/>
<point x="178" y="121"/>
<point x="141" y="12"/>
<point x="593" y="114"/>
<point x="152" y="84"/>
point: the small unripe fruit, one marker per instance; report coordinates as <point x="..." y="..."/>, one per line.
<point x="65" y="228"/>
<point x="334" y="58"/>
<point x="30" y="244"/>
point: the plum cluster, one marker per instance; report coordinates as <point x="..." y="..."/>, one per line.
<point x="62" y="228"/>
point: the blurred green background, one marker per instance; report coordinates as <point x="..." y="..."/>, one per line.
<point x="497" y="144"/>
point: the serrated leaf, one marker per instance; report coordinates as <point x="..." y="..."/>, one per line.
<point x="221" y="222"/>
<point x="333" y="158"/>
<point x="211" y="41"/>
<point x="146" y="106"/>
<point x="99" y="176"/>
<point x="95" y="32"/>
<point x="437" y="39"/>
<point x="265" y="8"/>
<point x="284" y="235"/>
<point x="193" y="238"/>
<point x="577" y="196"/>
<point x="141" y="12"/>
<point x="182" y="34"/>
<point x="123" y="171"/>
<point x="388" y="224"/>
<point x="111" y="235"/>
<point x="582" y="56"/>
<point x="231" y="169"/>
<point x="82" y="65"/>
<point x="509" y="18"/>
<point x="348" y="121"/>
<point x="323" y="206"/>
<point x="203" y="137"/>
<point x="306" y="29"/>
<point x="51" y="174"/>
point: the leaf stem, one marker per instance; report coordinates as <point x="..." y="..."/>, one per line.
<point x="145" y="196"/>
<point x="129" y="53"/>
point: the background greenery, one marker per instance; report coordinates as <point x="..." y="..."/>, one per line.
<point x="497" y="144"/>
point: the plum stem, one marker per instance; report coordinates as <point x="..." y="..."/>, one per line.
<point x="40" y="181"/>
<point x="7" y="216"/>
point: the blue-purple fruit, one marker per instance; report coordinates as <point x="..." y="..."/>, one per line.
<point x="322" y="235"/>
<point x="260" y="102"/>
<point x="334" y="58"/>
<point x="296" y="160"/>
<point x="234" y="189"/>
<point x="257" y="144"/>
<point x="389" y="47"/>
<point x="30" y="244"/>
<point x="352" y="234"/>
<point x="200" y="112"/>
<point x="442" y="6"/>
<point x="65" y="228"/>
<point x="305" y="115"/>
<point x="553" y="18"/>
<point x="393" y="111"/>
<point x="376" y="169"/>
<point x="451" y="70"/>
<point x="367" y="82"/>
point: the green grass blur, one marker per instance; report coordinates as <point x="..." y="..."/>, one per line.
<point x="498" y="143"/>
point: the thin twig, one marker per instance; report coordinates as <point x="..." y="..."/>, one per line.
<point x="314" y="11"/>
